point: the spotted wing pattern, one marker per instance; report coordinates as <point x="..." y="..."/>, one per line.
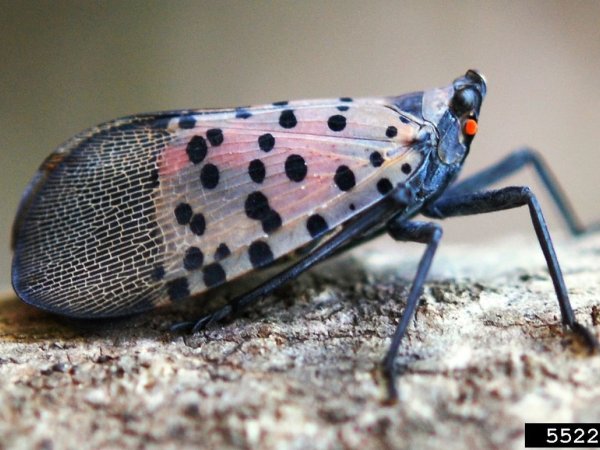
<point x="155" y="208"/>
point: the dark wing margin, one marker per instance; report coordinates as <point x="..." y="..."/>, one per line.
<point x="85" y="240"/>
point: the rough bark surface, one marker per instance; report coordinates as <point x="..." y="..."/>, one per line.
<point x="485" y="354"/>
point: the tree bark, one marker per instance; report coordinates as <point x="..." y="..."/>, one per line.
<point x="486" y="354"/>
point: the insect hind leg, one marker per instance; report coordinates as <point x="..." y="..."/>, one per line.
<point x="428" y="233"/>
<point x="461" y="204"/>
<point x="514" y="162"/>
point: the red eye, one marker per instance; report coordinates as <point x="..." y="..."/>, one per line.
<point x="470" y="127"/>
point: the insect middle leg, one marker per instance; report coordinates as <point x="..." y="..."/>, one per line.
<point x="428" y="233"/>
<point x="461" y="204"/>
<point x="514" y="162"/>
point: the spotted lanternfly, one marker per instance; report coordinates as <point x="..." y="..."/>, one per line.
<point x="155" y="208"/>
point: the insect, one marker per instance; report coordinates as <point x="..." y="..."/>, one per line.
<point x="156" y="208"/>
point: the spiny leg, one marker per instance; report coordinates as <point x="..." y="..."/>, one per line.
<point x="427" y="233"/>
<point x="511" y="164"/>
<point x="377" y="214"/>
<point x="507" y="198"/>
<point x="517" y="160"/>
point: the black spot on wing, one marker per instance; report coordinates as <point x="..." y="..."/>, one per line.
<point x="384" y="186"/>
<point x="209" y="176"/>
<point x="196" y="149"/>
<point x="266" y="142"/>
<point x="198" y="224"/>
<point x="158" y="273"/>
<point x="215" y="136"/>
<point x="316" y="225"/>
<point x="260" y="254"/>
<point x="344" y="178"/>
<point x="256" y="205"/>
<point x="242" y="113"/>
<point x="271" y="222"/>
<point x="222" y="252"/>
<point x="193" y="259"/>
<point x="257" y="171"/>
<point x="376" y="159"/>
<point x="178" y="289"/>
<point x="336" y="122"/>
<point x="213" y="274"/>
<point x="295" y="168"/>
<point x="183" y="213"/>
<point x="187" y="122"/>
<point x="287" y="119"/>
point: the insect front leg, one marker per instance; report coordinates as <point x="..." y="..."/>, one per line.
<point x="428" y="233"/>
<point x="462" y="204"/>
<point x="514" y="162"/>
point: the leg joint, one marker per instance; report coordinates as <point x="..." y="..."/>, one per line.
<point x="527" y="154"/>
<point x="414" y="231"/>
<point x="527" y="192"/>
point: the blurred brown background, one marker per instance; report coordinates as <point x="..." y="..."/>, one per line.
<point x="70" y="65"/>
